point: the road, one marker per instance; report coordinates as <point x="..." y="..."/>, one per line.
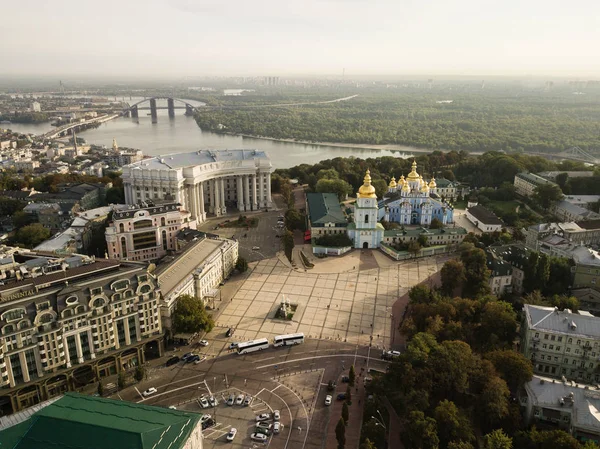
<point x="292" y="380"/>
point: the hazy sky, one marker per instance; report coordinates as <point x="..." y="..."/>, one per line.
<point x="179" y="38"/>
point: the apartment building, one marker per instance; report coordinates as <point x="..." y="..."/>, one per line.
<point x="561" y="343"/>
<point x="526" y="183"/>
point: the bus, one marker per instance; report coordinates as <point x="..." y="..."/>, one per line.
<point x="253" y="345"/>
<point x="288" y="340"/>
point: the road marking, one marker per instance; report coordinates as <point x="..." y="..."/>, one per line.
<point x="273" y="390"/>
<point x="170" y="391"/>
<point x="262" y="360"/>
<point x="138" y="392"/>
<point x="316" y="357"/>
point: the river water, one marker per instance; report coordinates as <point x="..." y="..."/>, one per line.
<point x="183" y="134"/>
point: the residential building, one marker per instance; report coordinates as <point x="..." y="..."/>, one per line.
<point x="203" y="182"/>
<point x="517" y="256"/>
<point x="414" y="201"/>
<point x="526" y="183"/>
<point x="586" y="272"/>
<point x="36" y="107"/>
<point x="567" y="211"/>
<point x="197" y="270"/>
<point x="484" y="219"/>
<point x="120" y="158"/>
<point x="561" y="343"/>
<point x="75" y="420"/>
<point x="26" y="164"/>
<point x="501" y="273"/>
<point x="574" y="233"/>
<point x="589" y="299"/>
<point x="325" y="215"/>
<point x="146" y="232"/>
<point x="564" y="405"/>
<point x="68" y="320"/>
<point x="84" y="195"/>
<point x="587" y="201"/>
<point x="449" y="190"/>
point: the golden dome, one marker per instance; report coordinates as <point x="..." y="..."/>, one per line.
<point x="413" y="175"/>
<point x="367" y="190"/>
<point x="402" y="181"/>
<point x="405" y="187"/>
<point x="432" y="184"/>
<point x="393" y="183"/>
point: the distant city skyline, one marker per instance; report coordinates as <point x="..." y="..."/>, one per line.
<point x="187" y="38"/>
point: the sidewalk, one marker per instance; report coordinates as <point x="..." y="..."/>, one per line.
<point x="353" y="427"/>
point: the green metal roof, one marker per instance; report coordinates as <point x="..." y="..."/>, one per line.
<point x="77" y="421"/>
<point x="416" y="232"/>
<point x="324" y="208"/>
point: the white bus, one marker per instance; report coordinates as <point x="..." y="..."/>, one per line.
<point x="253" y="345"/>
<point x="288" y="340"/>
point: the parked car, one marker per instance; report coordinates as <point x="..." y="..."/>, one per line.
<point x="200" y="360"/>
<point x="231" y="399"/>
<point x="204" y="403"/>
<point x="264" y="427"/>
<point x="205" y="418"/>
<point x="149" y="392"/>
<point x="341" y="396"/>
<point x="233" y="345"/>
<point x="328" y="399"/>
<point x="192" y="358"/>
<point x="248" y="400"/>
<point x="263" y="417"/>
<point x="172" y="407"/>
<point x="277" y="427"/>
<point x="239" y="400"/>
<point x="203" y="343"/>
<point x="213" y="401"/>
<point x="258" y="437"/>
<point x="173" y="361"/>
<point x="255" y="248"/>
<point x="229" y="332"/>
<point x="345" y="379"/>
<point x="232" y="433"/>
<point x="276" y="415"/>
<point x="185" y="356"/>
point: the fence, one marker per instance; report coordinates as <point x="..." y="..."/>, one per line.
<point x="424" y="252"/>
<point x="330" y="251"/>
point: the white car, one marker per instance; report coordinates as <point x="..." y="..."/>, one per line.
<point x="200" y="360"/>
<point x="263" y="417"/>
<point x="258" y="437"/>
<point x="213" y="401"/>
<point x="205" y="418"/>
<point x="149" y="392"/>
<point x="239" y="400"/>
<point x="328" y="399"/>
<point x="277" y="427"/>
<point x="232" y="433"/>
<point x="276" y="415"/>
<point x="255" y="248"/>
<point x="204" y="403"/>
<point x="231" y="400"/>
<point x="248" y="400"/>
<point x="172" y="407"/>
<point x="203" y="343"/>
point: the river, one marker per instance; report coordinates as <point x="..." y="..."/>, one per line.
<point x="183" y="134"/>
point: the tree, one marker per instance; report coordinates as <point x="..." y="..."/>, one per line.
<point x="498" y="325"/>
<point x="294" y="220"/>
<point x="497" y="439"/>
<point x="241" y="265"/>
<point x="288" y="244"/>
<point x="32" y="235"/>
<point x="21" y="219"/>
<point x="345" y="413"/>
<point x="338" y="186"/>
<point x="121" y="380"/>
<point x="452" y="276"/>
<point x="546" y="194"/>
<point x="512" y="366"/>
<point x="493" y="401"/>
<point x="414" y="248"/>
<point x="421" y="431"/>
<point x="351" y="376"/>
<point x="139" y="373"/>
<point x="190" y="316"/>
<point x="348" y="395"/>
<point x="423" y="241"/>
<point x="381" y="187"/>
<point x="340" y="433"/>
<point x="367" y="444"/>
<point x="476" y="271"/>
<point x="460" y="445"/>
<point x="100" y="389"/>
<point x="115" y="195"/>
<point x="436" y="224"/>
<point x="452" y="424"/>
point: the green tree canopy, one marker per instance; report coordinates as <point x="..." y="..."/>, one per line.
<point x="338" y="186"/>
<point x="546" y="194"/>
<point x="512" y="366"/>
<point x="241" y="265"/>
<point x="32" y="235"/>
<point x="452" y="275"/>
<point x="190" y="316"/>
<point x="497" y="439"/>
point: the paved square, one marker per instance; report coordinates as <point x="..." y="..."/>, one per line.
<point x="348" y="306"/>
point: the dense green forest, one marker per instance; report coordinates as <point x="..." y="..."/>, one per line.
<point x="511" y="120"/>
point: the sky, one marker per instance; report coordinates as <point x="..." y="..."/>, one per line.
<point x="190" y="38"/>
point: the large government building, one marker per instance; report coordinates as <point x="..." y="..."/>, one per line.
<point x="67" y="320"/>
<point x="203" y="182"/>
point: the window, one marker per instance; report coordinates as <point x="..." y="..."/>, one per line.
<point x="13" y="315"/>
<point x="551" y="346"/>
<point x="568" y="349"/>
<point x="544" y="345"/>
<point x="537" y="335"/>
<point x="559" y="338"/>
<point x="366" y="218"/>
<point x="545" y="336"/>
<point x="162" y="221"/>
<point x="570" y="340"/>
<point x="558" y="348"/>
<point x="121" y="228"/>
<point x="553" y="337"/>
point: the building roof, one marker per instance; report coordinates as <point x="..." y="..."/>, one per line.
<point x="416" y="232"/>
<point x="324" y="208"/>
<point x="181" y="160"/>
<point x="574" y="209"/>
<point x="517" y="255"/>
<point x="552" y="320"/>
<point x="583" y="401"/>
<point x="551" y="175"/>
<point x="60" y="241"/>
<point x="533" y="179"/>
<point x="589" y="224"/>
<point x="77" y="421"/>
<point x="586" y="256"/>
<point x="151" y="209"/>
<point x="582" y="200"/>
<point x="484" y="216"/>
<point x="444" y="183"/>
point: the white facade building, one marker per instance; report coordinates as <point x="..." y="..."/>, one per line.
<point x="203" y="182"/>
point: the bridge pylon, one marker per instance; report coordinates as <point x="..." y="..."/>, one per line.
<point x="171" y="107"/>
<point x="189" y="110"/>
<point x="153" y="112"/>
<point x="135" y="112"/>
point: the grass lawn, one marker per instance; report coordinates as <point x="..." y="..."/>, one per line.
<point x="460" y="204"/>
<point x="504" y="207"/>
<point x="243" y="223"/>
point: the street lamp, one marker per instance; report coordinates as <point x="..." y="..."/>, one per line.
<point x="378" y="423"/>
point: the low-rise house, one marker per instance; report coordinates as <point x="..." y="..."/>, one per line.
<point x="586" y="272"/>
<point x="516" y="256"/>
<point x="551" y="175"/>
<point x="484" y="219"/>
<point x="575" y="233"/>
<point x="568" y="211"/>
<point x="325" y="215"/>
<point x="434" y="237"/>
<point x="564" y="405"/>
